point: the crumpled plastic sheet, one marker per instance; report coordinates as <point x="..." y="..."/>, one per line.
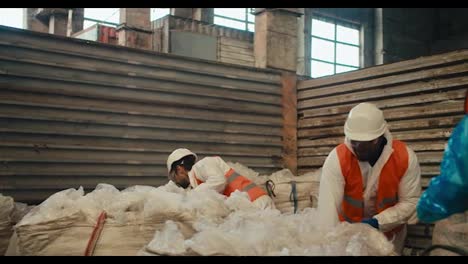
<point x="168" y="241"/>
<point x="223" y="226"/>
<point x="247" y="231"/>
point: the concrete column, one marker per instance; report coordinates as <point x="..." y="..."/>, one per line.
<point x="53" y="20"/>
<point x="301" y="44"/>
<point x="58" y="24"/>
<point x="203" y="14"/>
<point x="78" y="19"/>
<point x="378" y="34"/>
<point x="31" y="23"/>
<point x="135" y="28"/>
<point x="275" y="42"/>
<point x="182" y="12"/>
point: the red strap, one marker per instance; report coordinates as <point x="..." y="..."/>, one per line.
<point x="95" y="234"/>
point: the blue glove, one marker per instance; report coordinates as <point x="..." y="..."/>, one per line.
<point x="372" y="222"/>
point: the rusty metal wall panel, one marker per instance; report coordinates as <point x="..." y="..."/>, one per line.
<point x="75" y="113"/>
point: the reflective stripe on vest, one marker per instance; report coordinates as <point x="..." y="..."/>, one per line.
<point x="235" y="181"/>
<point x="352" y="207"/>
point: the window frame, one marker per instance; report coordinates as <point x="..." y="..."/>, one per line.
<point x="336" y="22"/>
<point x="99" y="21"/>
<point x="245" y="21"/>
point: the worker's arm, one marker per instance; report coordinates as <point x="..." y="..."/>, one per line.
<point x="211" y="171"/>
<point x="408" y="194"/>
<point x="330" y="191"/>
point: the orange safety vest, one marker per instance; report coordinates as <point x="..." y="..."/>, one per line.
<point x="236" y="181"/>
<point x="352" y="206"/>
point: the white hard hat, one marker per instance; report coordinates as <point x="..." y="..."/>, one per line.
<point x="177" y="155"/>
<point x="365" y="122"/>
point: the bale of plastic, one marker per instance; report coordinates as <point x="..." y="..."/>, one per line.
<point x="291" y="193"/>
<point x="6" y="230"/>
<point x="65" y="223"/>
<point x="451" y="231"/>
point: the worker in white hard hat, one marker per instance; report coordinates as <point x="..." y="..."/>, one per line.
<point x="212" y="173"/>
<point x="370" y="178"/>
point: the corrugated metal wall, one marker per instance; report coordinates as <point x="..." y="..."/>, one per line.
<point x="79" y="113"/>
<point x="422" y="100"/>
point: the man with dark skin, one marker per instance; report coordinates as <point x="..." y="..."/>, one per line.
<point x="370" y="178"/>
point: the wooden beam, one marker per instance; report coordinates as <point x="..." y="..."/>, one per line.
<point x="289" y="113"/>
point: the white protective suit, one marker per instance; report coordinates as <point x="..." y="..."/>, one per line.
<point x="211" y="171"/>
<point x="332" y="189"/>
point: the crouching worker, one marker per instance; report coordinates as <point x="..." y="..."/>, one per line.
<point x="212" y="173"/>
<point x="371" y="177"/>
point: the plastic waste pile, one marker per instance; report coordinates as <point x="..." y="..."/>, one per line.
<point x="251" y="232"/>
<point x="168" y="220"/>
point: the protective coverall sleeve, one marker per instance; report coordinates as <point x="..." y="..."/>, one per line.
<point x="211" y="170"/>
<point x="330" y="191"/>
<point x="409" y="191"/>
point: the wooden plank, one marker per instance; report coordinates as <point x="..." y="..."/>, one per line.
<point x="237" y="43"/>
<point x="15" y="97"/>
<point x="415" y="100"/>
<point x="69" y="128"/>
<point x="237" y="61"/>
<point x="430" y="157"/>
<point x="238" y="50"/>
<point x="403" y="125"/>
<point x="101" y="51"/>
<point x="90" y="65"/>
<point x="425" y="180"/>
<point x="64" y="181"/>
<point x="104" y="143"/>
<point x="430" y="170"/>
<point x="433" y="134"/>
<point x="89" y="117"/>
<point x="129" y="94"/>
<point x="311" y="152"/>
<point x="384" y="81"/>
<point x="386" y="69"/>
<point x="132" y="86"/>
<point x="303" y="170"/>
<point x="312" y="161"/>
<point x="435" y="109"/>
<point x="289" y="113"/>
<point x="416" y="146"/>
<point x="387" y="92"/>
<point x="236" y="56"/>
<point x="18" y="169"/>
<point x="57" y="155"/>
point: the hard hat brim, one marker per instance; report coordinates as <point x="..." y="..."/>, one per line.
<point x="368" y="136"/>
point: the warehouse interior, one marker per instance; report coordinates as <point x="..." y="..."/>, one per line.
<point x="84" y="100"/>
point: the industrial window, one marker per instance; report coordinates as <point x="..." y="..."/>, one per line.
<point x="157" y="13"/>
<point x="104" y="16"/>
<point x="11" y="17"/>
<point x="335" y="47"/>
<point x="239" y="18"/>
